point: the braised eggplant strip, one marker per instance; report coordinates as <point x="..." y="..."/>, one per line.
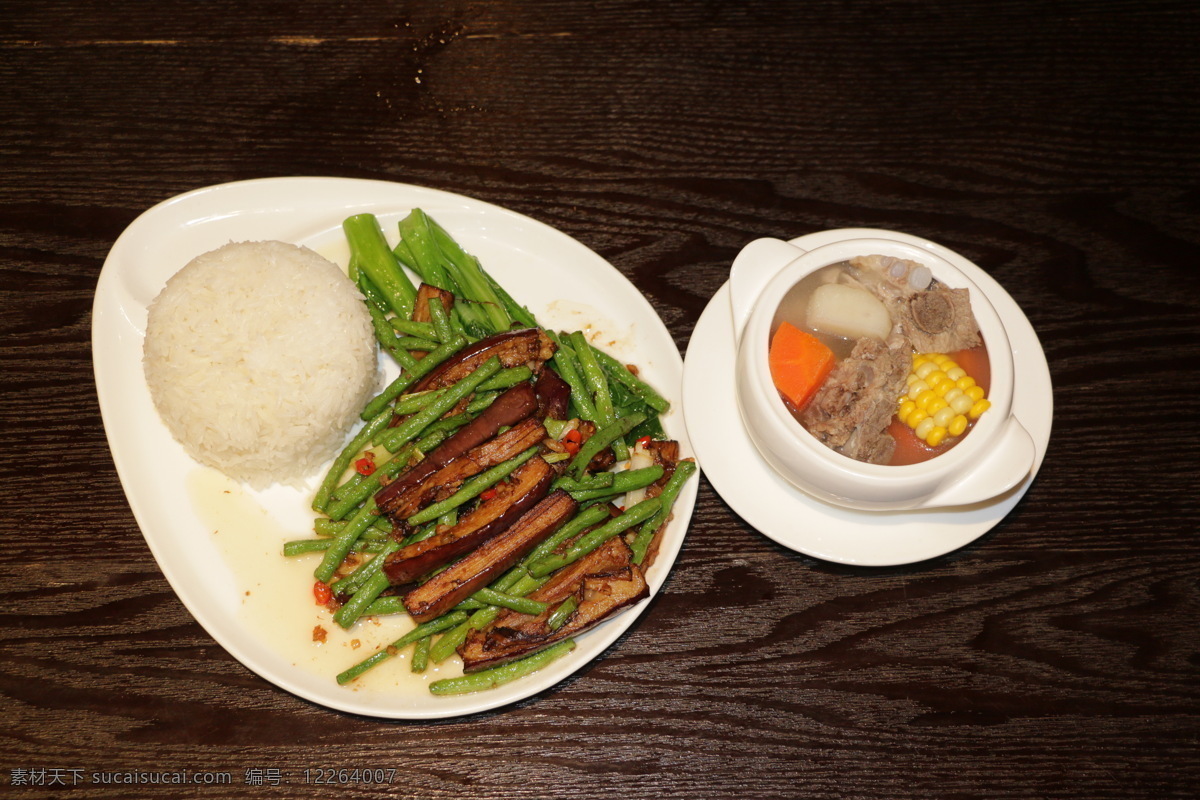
<point x="492" y="516"/>
<point x="664" y="452"/>
<point x="481" y="566"/>
<point x="523" y="346"/>
<point x="600" y="584"/>
<point x="511" y="407"/>
<point x="425" y="292"/>
<point x="553" y="395"/>
<point x="441" y="483"/>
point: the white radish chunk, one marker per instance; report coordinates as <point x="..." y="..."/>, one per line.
<point x="848" y="311"/>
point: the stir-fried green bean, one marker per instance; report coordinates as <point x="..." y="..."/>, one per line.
<point x="420" y="656"/>
<point x="299" y="547"/>
<point x="353" y="608"/>
<point x="526" y="584"/>
<point x="601" y="439"/>
<point x="585" y="483"/>
<point x="416" y="344"/>
<point x="385" y="334"/>
<point x="414" y="402"/>
<point x="472" y="488"/>
<point x="344" y="541"/>
<point x="564" y="361"/>
<point x="444" y="647"/>
<point x="418" y="330"/>
<point x="641" y="543"/>
<point x="408" y="377"/>
<point x="587" y="518"/>
<point x="522" y="605"/>
<point x="348" y="497"/>
<point x="350" y="584"/>
<point x="503" y="379"/>
<point x="560" y="615"/>
<point x="376" y="423"/>
<point x="481" y="401"/>
<point x="397" y="437"/>
<point x="594" y="538"/>
<point x="386" y="606"/>
<point x="506" y="378"/>
<point x="624" y="481"/>
<point x="619" y="372"/>
<point x="498" y="676"/>
<point x="323" y="526"/>
<point x="439" y="430"/>
<point x="597" y="384"/>
<point x="440" y="318"/>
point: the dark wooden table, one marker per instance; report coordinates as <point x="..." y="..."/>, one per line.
<point x="1055" y="144"/>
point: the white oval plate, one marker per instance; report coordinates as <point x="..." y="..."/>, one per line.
<point x="807" y="525"/>
<point x="563" y="282"/>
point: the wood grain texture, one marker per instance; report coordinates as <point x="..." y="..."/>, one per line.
<point x="1053" y="144"/>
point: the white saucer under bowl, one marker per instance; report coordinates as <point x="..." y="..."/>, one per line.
<point x="806" y="525"/>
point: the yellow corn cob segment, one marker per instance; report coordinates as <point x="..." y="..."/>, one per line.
<point x="940" y="399"/>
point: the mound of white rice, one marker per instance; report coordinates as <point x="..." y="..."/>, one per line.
<point x="259" y="357"/>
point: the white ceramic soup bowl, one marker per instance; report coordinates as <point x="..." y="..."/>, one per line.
<point x="993" y="457"/>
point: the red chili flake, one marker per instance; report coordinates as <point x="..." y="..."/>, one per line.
<point x="488" y="494"/>
<point x="365" y="465"/>
<point x="571" y="441"/>
<point x="644" y="441"/>
<point x="322" y="592"/>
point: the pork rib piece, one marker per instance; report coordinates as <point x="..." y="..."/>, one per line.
<point x="853" y="408"/>
<point x="934" y="317"/>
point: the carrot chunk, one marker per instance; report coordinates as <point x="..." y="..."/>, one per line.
<point x="799" y="362"/>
